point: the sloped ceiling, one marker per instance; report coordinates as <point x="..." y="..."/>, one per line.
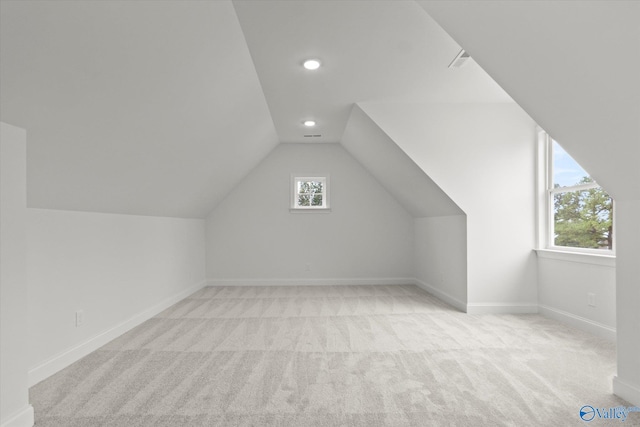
<point x="162" y="107"/>
<point x="572" y="65"/>
<point x="150" y="108"/>
<point x="394" y="169"/>
<point x="370" y="51"/>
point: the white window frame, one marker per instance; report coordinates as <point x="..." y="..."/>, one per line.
<point x="295" y="179"/>
<point x="545" y="230"/>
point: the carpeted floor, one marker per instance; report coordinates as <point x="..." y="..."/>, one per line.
<point x="333" y="356"/>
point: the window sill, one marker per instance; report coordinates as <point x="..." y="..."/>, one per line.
<point x="580" y="257"/>
<point x="311" y="210"/>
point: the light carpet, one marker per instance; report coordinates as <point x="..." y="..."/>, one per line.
<point x="333" y="356"/>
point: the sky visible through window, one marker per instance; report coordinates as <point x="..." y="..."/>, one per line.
<point x="583" y="216"/>
<point x="566" y="171"/>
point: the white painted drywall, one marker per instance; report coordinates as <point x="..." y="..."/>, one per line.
<point x="252" y="237"/>
<point x="563" y="286"/>
<point x="482" y="156"/>
<point x="113" y="267"/>
<point x="369" y="50"/>
<point x="627" y="383"/>
<point x="549" y="58"/>
<point x="132" y="107"/>
<point x="572" y="65"/>
<point x="441" y="257"/>
<point x="15" y="410"/>
<point x="397" y="173"/>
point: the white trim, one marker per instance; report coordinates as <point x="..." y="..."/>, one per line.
<point x="310" y="210"/>
<point x="312" y="282"/>
<point x="501" y="308"/>
<point x="587" y="251"/>
<point x="73" y="354"/>
<point x="582" y="323"/>
<point x="22" y="418"/>
<point x="604" y="260"/>
<point x="477" y="308"/>
<point x="542" y="184"/>
<point x="443" y="296"/>
<point x="627" y="391"/>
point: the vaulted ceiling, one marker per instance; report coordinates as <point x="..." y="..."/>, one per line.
<point x="572" y="65"/>
<point x="161" y="108"/>
<point x="388" y="51"/>
<point x="150" y="108"/>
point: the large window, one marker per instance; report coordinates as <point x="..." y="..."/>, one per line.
<point x="309" y="192"/>
<point x="579" y="212"/>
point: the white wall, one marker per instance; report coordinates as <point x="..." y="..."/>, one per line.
<point x="563" y="77"/>
<point x="15" y="410"/>
<point x="118" y="269"/>
<point x="563" y="285"/>
<point x="441" y="257"/>
<point x="627" y="382"/>
<point x="482" y="156"/>
<point x="252" y="237"/>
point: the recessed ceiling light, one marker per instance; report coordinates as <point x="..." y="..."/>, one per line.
<point x="309" y="123"/>
<point x="311" y="64"/>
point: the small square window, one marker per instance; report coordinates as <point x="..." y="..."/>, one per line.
<point x="309" y="192"/>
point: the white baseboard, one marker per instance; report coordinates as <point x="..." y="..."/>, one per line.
<point x="23" y="418"/>
<point x="462" y="306"/>
<point x="312" y="282"/>
<point x="501" y="308"/>
<point x="73" y="354"/>
<point x="627" y="391"/>
<point x="579" y="322"/>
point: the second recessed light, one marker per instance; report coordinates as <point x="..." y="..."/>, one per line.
<point x="309" y="123"/>
<point x="311" y="64"/>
